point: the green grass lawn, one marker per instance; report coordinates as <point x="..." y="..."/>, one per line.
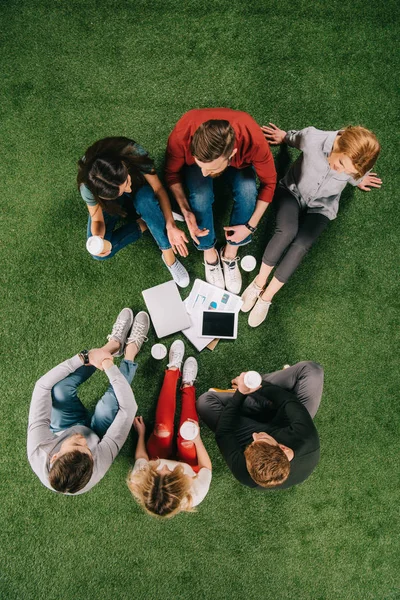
<point x="74" y="71"/>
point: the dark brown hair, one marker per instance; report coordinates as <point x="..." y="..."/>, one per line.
<point x="361" y="146"/>
<point x="213" y="139"/>
<point x="268" y="465"/>
<point x="71" y="472"/>
<point x="106" y="165"/>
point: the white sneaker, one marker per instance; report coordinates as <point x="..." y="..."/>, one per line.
<point x="259" y="313"/>
<point x="176" y="353"/>
<point x="250" y="296"/>
<point x="233" y="278"/>
<point x="189" y="372"/>
<point x="178" y="272"/>
<point x="214" y="274"/>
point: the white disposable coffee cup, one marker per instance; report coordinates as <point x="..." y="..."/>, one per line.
<point x="159" y="351"/>
<point x="189" y="430"/>
<point x="248" y="263"/>
<point x="252" y="379"/>
<point x="96" y="245"/>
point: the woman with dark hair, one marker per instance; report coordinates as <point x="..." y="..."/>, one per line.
<point x="117" y="180"/>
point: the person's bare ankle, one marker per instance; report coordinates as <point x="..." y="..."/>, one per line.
<point x="142" y="225"/>
<point x="211" y="256"/>
<point x="130" y="351"/>
<point x="260" y="282"/>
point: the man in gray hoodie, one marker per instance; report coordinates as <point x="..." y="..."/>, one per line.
<point x="69" y="449"/>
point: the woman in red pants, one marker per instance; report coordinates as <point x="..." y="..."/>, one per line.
<point x="165" y="487"/>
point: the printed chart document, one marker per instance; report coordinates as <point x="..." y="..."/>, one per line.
<point x="205" y="296"/>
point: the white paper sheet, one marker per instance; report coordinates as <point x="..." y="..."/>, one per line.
<point x="205" y="296"/>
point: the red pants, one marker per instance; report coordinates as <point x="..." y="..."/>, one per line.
<point x="162" y="447"/>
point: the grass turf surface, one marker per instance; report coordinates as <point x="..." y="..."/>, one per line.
<point x="76" y="71"/>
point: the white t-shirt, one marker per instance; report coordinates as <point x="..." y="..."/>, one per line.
<point x="201" y="480"/>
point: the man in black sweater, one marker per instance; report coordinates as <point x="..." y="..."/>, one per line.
<point x="267" y="435"/>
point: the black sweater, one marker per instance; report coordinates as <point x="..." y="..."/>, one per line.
<point x="280" y="415"/>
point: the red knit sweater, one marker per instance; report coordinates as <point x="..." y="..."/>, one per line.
<point x="252" y="147"/>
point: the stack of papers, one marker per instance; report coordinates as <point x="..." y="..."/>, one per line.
<point x="205" y="296"/>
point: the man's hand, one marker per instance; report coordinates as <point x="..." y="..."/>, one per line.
<point x="273" y="134"/>
<point x="236" y="233"/>
<point x="139" y="426"/>
<point x="370" y="181"/>
<point x="178" y="240"/>
<point x="97" y="356"/>
<point x="194" y="230"/>
<point x="238" y="383"/>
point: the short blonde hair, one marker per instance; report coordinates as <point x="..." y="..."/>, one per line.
<point x="267" y="465"/>
<point x="361" y="146"/>
<point x="161" y="495"/>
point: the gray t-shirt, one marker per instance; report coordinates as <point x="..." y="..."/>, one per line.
<point x="137" y="150"/>
<point x="310" y="179"/>
<point x="43" y="443"/>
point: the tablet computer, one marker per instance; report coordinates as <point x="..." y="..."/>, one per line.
<point x="219" y="324"/>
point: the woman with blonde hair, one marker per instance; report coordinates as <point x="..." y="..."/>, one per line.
<point x="165" y="487"/>
<point x="307" y="199"/>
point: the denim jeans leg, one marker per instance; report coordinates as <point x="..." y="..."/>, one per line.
<point x="107" y="407"/>
<point x="67" y="410"/>
<point x="119" y="238"/>
<point x="147" y="205"/>
<point x="244" y="192"/>
<point x="201" y="199"/>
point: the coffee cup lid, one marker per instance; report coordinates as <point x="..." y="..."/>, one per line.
<point x="248" y="263"/>
<point x="95" y="244"/>
<point x="252" y="379"/>
<point x="159" y="351"/>
<point x="189" y="430"/>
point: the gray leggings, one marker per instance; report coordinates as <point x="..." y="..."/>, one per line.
<point x="304" y="379"/>
<point x="289" y="233"/>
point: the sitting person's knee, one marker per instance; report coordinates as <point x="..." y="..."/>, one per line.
<point x="162" y="431"/>
<point x="61" y="392"/>
<point x="203" y="403"/>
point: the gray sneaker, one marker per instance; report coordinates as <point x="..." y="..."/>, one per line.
<point x="189" y="372"/>
<point x="120" y="329"/>
<point x="178" y="272"/>
<point x="176" y="353"/>
<point x="140" y="329"/>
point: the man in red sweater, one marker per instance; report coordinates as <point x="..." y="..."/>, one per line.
<point x="205" y="144"/>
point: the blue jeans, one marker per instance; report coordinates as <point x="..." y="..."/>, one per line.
<point x="147" y="206"/>
<point x="201" y="198"/>
<point x="67" y="410"/>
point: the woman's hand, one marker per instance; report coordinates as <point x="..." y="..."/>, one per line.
<point x="236" y="233"/>
<point x="239" y="384"/>
<point x="97" y="356"/>
<point x="371" y="180"/>
<point x="139" y="426"/>
<point x="178" y="240"/>
<point x="273" y="134"/>
<point x="194" y="230"/>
